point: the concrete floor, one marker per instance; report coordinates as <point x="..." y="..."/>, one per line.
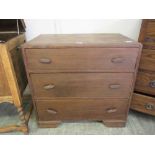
<point x="137" y="124"/>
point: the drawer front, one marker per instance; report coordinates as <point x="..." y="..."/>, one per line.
<point x="151" y="28"/>
<point x="82" y="85"/>
<point x="143" y="103"/>
<point x="147" y="61"/>
<point x="79" y="109"/>
<point x="145" y="83"/>
<point x="82" y="59"/>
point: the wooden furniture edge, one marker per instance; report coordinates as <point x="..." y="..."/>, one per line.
<point x="14" y="88"/>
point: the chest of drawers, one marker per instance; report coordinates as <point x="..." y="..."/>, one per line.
<point x="144" y="97"/>
<point x="81" y="77"/>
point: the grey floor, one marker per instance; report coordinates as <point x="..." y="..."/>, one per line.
<point x="137" y="124"/>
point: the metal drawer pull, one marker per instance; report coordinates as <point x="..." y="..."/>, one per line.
<point x="2" y="41"/>
<point x="51" y="111"/>
<point x="149" y="106"/>
<point x="45" y="61"/>
<point x="18" y="47"/>
<point x="49" y="86"/>
<point x="114" y="86"/>
<point x="117" y="60"/>
<point x="152" y="84"/>
<point x="111" y="110"/>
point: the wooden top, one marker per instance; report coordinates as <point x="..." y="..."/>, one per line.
<point x="80" y="40"/>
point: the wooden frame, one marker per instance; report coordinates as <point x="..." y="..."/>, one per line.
<point x="15" y="97"/>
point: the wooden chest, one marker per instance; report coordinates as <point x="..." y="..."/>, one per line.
<point x="81" y="77"/>
<point x="11" y="41"/>
<point x="13" y="80"/>
<point x="144" y="96"/>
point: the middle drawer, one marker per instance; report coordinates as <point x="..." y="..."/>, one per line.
<point x="82" y="85"/>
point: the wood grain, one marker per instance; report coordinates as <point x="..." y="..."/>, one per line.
<point x="143" y="82"/>
<point x="82" y="85"/>
<point x="81" y="40"/>
<point x="4" y="87"/>
<point x="147" y="61"/>
<point x="19" y="68"/>
<point x="13" y="79"/>
<point x="82" y="109"/>
<point x="143" y="103"/>
<point x="150" y="28"/>
<point x="83" y="76"/>
<point x="82" y="59"/>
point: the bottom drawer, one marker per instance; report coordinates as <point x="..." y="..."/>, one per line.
<point x="143" y="103"/>
<point x="81" y="109"/>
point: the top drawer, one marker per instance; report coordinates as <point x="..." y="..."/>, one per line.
<point x="82" y="59"/>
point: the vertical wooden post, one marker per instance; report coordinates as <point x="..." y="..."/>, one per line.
<point x="12" y="81"/>
<point x="11" y="76"/>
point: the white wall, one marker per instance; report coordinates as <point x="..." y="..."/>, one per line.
<point x="128" y="27"/>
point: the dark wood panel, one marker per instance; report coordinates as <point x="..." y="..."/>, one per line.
<point x="19" y="68"/>
<point x="150" y="28"/>
<point x="143" y="103"/>
<point x="58" y="110"/>
<point x="82" y="59"/>
<point x="147" y="61"/>
<point x="147" y="34"/>
<point x="145" y="82"/>
<point x="82" y="85"/>
<point x="143" y="29"/>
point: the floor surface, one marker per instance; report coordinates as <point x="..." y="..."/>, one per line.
<point x="137" y="124"/>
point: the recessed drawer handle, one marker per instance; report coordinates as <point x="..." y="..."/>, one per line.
<point x="149" y="106"/>
<point x="148" y="39"/>
<point x="49" y="86"/>
<point x="111" y="110"/>
<point x="117" y="60"/>
<point x="152" y="84"/>
<point x="51" y="111"/>
<point x="114" y="86"/>
<point x="45" y="61"/>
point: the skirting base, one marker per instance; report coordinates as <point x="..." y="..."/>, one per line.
<point x="114" y="123"/>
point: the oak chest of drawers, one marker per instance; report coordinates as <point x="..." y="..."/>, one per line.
<point x="81" y="77"/>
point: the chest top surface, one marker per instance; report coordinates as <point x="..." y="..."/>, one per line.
<point x="80" y="40"/>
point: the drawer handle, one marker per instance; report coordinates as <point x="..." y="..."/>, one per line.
<point x="148" y="39"/>
<point x="49" y="86"/>
<point x="45" y="61"/>
<point x="111" y="110"/>
<point x="149" y="106"/>
<point x="117" y="60"/>
<point x="152" y="84"/>
<point x="114" y="86"/>
<point x="51" y="111"/>
<point x="18" y="48"/>
<point x="2" y="41"/>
